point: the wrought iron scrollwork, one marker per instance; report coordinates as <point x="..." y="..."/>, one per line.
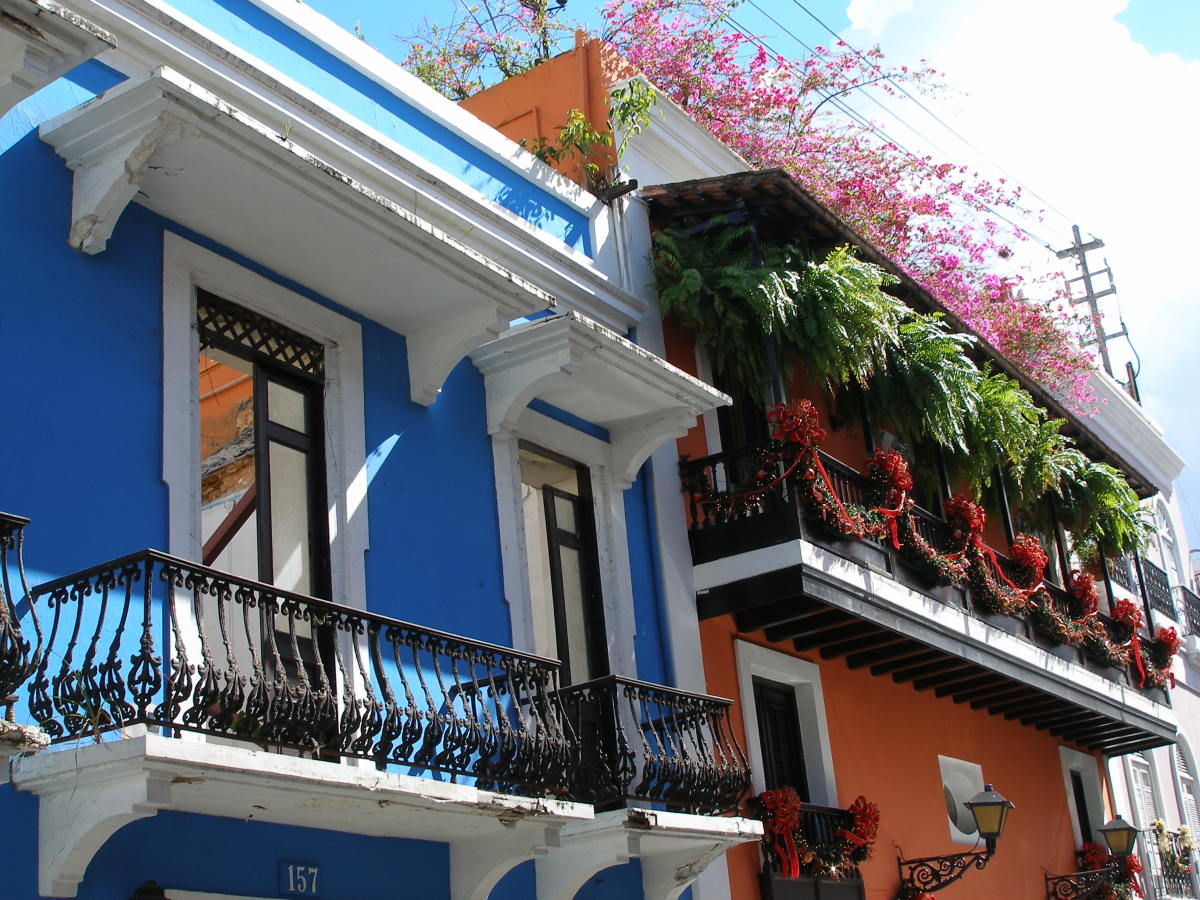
<point x="1087" y="885"/>
<point x="648" y="742"/>
<point x="932" y="873"/>
<point x="157" y="640"/>
<point x="19" y="655"/>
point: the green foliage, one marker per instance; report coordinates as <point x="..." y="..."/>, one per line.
<point x="835" y="319"/>
<point x="832" y="316"/>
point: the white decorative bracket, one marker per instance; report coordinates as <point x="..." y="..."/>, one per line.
<point x="477" y="865"/>
<point x="39" y="42"/>
<point x="674" y="849"/>
<point x="597" y="375"/>
<point x="434" y="351"/>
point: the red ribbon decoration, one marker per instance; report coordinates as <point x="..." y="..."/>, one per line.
<point x="892" y="515"/>
<point x="783" y="809"/>
<point x="1136" y="646"/>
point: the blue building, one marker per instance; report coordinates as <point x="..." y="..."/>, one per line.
<point x="368" y="379"/>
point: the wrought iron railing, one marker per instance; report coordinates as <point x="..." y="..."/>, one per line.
<point x="20" y="646"/>
<point x="727" y="474"/>
<point x="1091" y="884"/>
<point x="1189" y="602"/>
<point x="156" y="640"/>
<point x="1158" y="589"/>
<point x="1168" y="872"/>
<point x="1122" y="573"/>
<point x="642" y="741"/>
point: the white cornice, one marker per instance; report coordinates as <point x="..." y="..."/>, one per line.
<point x="592" y="372"/>
<point x="152" y="34"/>
<point x="1125" y="426"/>
<point x="39" y="42"/>
<point x="197" y="159"/>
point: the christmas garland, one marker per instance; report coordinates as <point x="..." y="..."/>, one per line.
<point x="888" y="516"/>
<point x="796" y="853"/>
<point x="1175" y="864"/>
<point x="1124" y="883"/>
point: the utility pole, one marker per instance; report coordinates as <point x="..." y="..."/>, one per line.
<point x="1092" y="297"/>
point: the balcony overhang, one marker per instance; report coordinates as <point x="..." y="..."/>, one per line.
<point x="839" y="608"/>
<point x="85" y="795"/>
<point x="39" y="42"/>
<point x="593" y="373"/>
<point x="674" y="848"/>
<point x="186" y="153"/>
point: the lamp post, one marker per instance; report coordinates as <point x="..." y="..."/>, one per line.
<point x="932" y="873"/>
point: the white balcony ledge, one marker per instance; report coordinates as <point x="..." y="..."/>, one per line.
<point x="39" y="42"/>
<point x="182" y="151"/>
<point x="674" y="848"/>
<point x="85" y="795"/>
<point x="1114" y="717"/>
<point x="593" y="373"/>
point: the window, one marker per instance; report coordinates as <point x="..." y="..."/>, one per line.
<point x="783" y="709"/>
<point x="299" y="371"/>
<point x="1187" y="790"/>
<point x="560" y="547"/>
<point x="262" y="476"/>
<point x="780" y="737"/>
<point x="1162" y="551"/>
<point x="1141" y="786"/>
<point x="1085" y="795"/>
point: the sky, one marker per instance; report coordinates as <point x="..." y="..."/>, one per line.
<point x="1093" y="106"/>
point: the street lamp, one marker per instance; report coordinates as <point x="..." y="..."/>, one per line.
<point x="1120" y="837"/>
<point x="932" y="873"/>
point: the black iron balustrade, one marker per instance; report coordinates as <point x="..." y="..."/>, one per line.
<point x="160" y="641"/>
<point x="1189" y="602"/>
<point x="20" y="651"/>
<point x="726" y="475"/>
<point x="1121" y="572"/>
<point x="1168" y="870"/>
<point x="820" y="826"/>
<point x="641" y="741"/>
<point x="1158" y="589"/>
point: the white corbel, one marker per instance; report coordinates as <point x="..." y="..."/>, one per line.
<point x="39" y="42"/>
<point x="72" y="826"/>
<point x="635" y="439"/>
<point x="516" y="376"/>
<point x="435" y="350"/>
<point x="665" y="876"/>
<point x="109" y="157"/>
<point x="560" y="876"/>
<point x="478" y="864"/>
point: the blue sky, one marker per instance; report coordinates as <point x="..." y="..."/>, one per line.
<point x="1089" y="104"/>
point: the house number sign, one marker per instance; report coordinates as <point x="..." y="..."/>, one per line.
<point x="299" y="879"/>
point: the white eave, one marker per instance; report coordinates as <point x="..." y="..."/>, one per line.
<point x="40" y="41"/>
<point x="180" y="150"/>
<point x="86" y="795"/>
<point x="1122" y="424"/>
<point x="593" y="373"/>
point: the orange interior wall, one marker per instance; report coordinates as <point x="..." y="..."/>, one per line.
<point x="885" y="739"/>
<point x="535" y="104"/>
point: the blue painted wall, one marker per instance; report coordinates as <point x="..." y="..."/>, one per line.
<point x="260" y="35"/>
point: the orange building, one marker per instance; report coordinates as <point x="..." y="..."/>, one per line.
<point x="851" y="672"/>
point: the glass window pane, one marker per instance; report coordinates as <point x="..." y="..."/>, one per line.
<point x="285" y="406"/>
<point x="576" y="626"/>
<point x="564" y="514"/>
<point x="289" y="519"/>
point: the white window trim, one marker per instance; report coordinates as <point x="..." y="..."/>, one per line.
<point x="187" y="265"/>
<point x="1181" y="806"/>
<point x="612" y="538"/>
<point x="1085" y="765"/>
<point x="805" y="678"/>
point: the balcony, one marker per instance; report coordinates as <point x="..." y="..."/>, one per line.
<point x="1158" y="590"/>
<point x="780" y="568"/>
<point x="1189" y="603"/>
<point x="643" y="742"/>
<point x="818" y="828"/>
<point x="1169" y="866"/>
<point x="177" y="686"/>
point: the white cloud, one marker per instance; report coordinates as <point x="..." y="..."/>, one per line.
<point x="1061" y="96"/>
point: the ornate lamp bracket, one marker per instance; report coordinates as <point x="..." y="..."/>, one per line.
<point x="1081" y="885"/>
<point x="932" y="873"/>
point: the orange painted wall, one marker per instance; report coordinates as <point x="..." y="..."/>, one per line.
<point x="884" y="740"/>
<point x="536" y="103"/>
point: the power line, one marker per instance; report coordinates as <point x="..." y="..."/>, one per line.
<point x="900" y="87"/>
<point x="858" y="118"/>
